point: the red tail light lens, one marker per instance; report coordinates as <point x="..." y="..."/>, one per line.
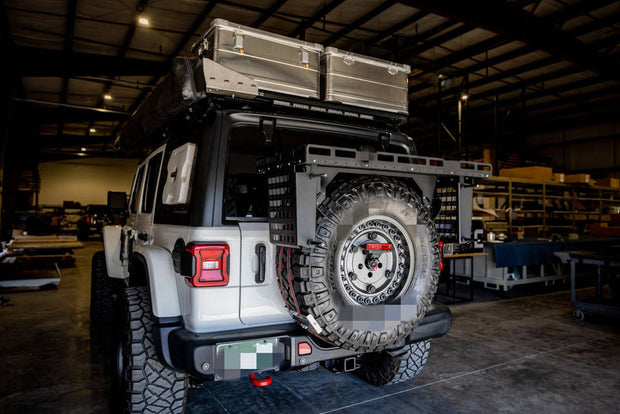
<point x="210" y="264"/>
<point x="87" y="219"/>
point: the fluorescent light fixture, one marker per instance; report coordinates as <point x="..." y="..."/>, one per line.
<point x="143" y="21"/>
<point x="93" y="130"/>
<point x="107" y="97"/>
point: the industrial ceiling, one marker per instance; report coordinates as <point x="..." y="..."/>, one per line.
<point x="80" y="67"/>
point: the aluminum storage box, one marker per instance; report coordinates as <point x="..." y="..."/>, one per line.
<point x="277" y="63"/>
<point x="363" y="81"/>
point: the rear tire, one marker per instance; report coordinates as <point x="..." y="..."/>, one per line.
<point x="381" y="368"/>
<point x="145" y="384"/>
<point x="103" y="291"/>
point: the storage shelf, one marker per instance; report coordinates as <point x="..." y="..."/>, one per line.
<point x="510" y="193"/>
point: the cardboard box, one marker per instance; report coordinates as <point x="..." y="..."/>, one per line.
<point x="532" y="173"/>
<point x="558" y="177"/>
<point x="609" y="182"/>
<point x="577" y="178"/>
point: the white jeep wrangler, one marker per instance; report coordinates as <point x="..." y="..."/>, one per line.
<point x="270" y="233"/>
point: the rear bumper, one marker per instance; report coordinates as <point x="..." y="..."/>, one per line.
<point x="203" y="355"/>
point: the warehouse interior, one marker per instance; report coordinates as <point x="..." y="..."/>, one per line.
<point x="530" y="87"/>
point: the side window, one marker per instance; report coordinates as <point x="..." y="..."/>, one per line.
<point x="136" y="190"/>
<point x="151" y="183"/>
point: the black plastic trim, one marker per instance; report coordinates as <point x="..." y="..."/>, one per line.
<point x="188" y="352"/>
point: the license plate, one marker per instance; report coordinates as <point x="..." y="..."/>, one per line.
<point x="251" y="355"/>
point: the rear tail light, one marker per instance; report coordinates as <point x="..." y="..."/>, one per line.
<point x="87" y="219"/>
<point x="208" y="264"/>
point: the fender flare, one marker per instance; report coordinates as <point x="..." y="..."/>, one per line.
<point x="163" y="283"/>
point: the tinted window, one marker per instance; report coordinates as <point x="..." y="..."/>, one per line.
<point x="151" y="183"/>
<point x="136" y="190"/>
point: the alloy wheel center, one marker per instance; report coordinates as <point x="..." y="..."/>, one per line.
<point x="373" y="262"/>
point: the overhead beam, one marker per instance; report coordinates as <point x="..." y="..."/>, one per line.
<point x="68" y="50"/>
<point x="513" y="22"/>
<point x="268" y="13"/>
<point x="359" y="22"/>
<point x="192" y="29"/>
<point x="57" y="141"/>
<point x="304" y="25"/>
<point x="42" y="62"/>
<point x="384" y="35"/>
<point x="46" y="115"/>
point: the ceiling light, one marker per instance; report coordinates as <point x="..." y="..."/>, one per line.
<point x="93" y="130"/>
<point x="107" y="97"/>
<point x="83" y="149"/>
<point x="464" y="96"/>
<point x="143" y="21"/>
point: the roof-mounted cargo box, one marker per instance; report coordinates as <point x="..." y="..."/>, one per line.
<point x="363" y="81"/>
<point x="277" y="63"/>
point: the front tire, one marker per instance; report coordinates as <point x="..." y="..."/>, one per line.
<point x="145" y="384"/>
<point x="381" y="368"/>
<point x="103" y="291"/>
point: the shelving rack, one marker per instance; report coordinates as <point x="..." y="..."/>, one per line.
<point x="542" y="208"/>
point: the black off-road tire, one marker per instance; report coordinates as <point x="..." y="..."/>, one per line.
<point x="104" y="291"/>
<point x="382" y="368"/>
<point x="316" y="282"/>
<point x="146" y="385"/>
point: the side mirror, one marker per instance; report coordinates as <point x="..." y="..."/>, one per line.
<point x="117" y="201"/>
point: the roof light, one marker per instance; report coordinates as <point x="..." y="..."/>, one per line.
<point x="93" y="130"/>
<point x="143" y="21"/>
<point x="107" y="97"/>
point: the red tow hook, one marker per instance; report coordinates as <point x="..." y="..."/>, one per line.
<point x="260" y="382"/>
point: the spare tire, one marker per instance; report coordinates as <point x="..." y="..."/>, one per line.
<point x="373" y="271"/>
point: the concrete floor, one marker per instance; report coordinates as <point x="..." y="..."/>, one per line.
<point x="516" y="355"/>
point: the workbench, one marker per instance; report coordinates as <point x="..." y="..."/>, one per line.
<point x="451" y="278"/>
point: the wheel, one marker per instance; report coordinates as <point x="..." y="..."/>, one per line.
<point x="373" y="272"/>
<point x="142" y="383"/>
<point x="381" y="368"/>
<point x="579" y="315"/>
<point x="103" y="291"/>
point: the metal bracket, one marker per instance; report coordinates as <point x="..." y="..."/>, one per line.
<point x="221" y="80"/>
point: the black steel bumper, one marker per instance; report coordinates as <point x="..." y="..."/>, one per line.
<point x="215" y="356"/>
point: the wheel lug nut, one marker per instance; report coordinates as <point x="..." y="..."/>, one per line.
<point x="364" y="251"/>
<point x="388" y="274"/>
<point x="352" y="276"/>
<point x="372" y="235"/>
<point x="360" y="266"/>
<point x="354" y="249"/>
<point x="370" y="289"/>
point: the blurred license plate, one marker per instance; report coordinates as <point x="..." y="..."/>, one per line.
<point x="250" y="355"/>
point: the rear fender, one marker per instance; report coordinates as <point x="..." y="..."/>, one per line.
<point x="158" y="268"/>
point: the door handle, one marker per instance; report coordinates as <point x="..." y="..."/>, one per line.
<point x="261" y="252"/>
